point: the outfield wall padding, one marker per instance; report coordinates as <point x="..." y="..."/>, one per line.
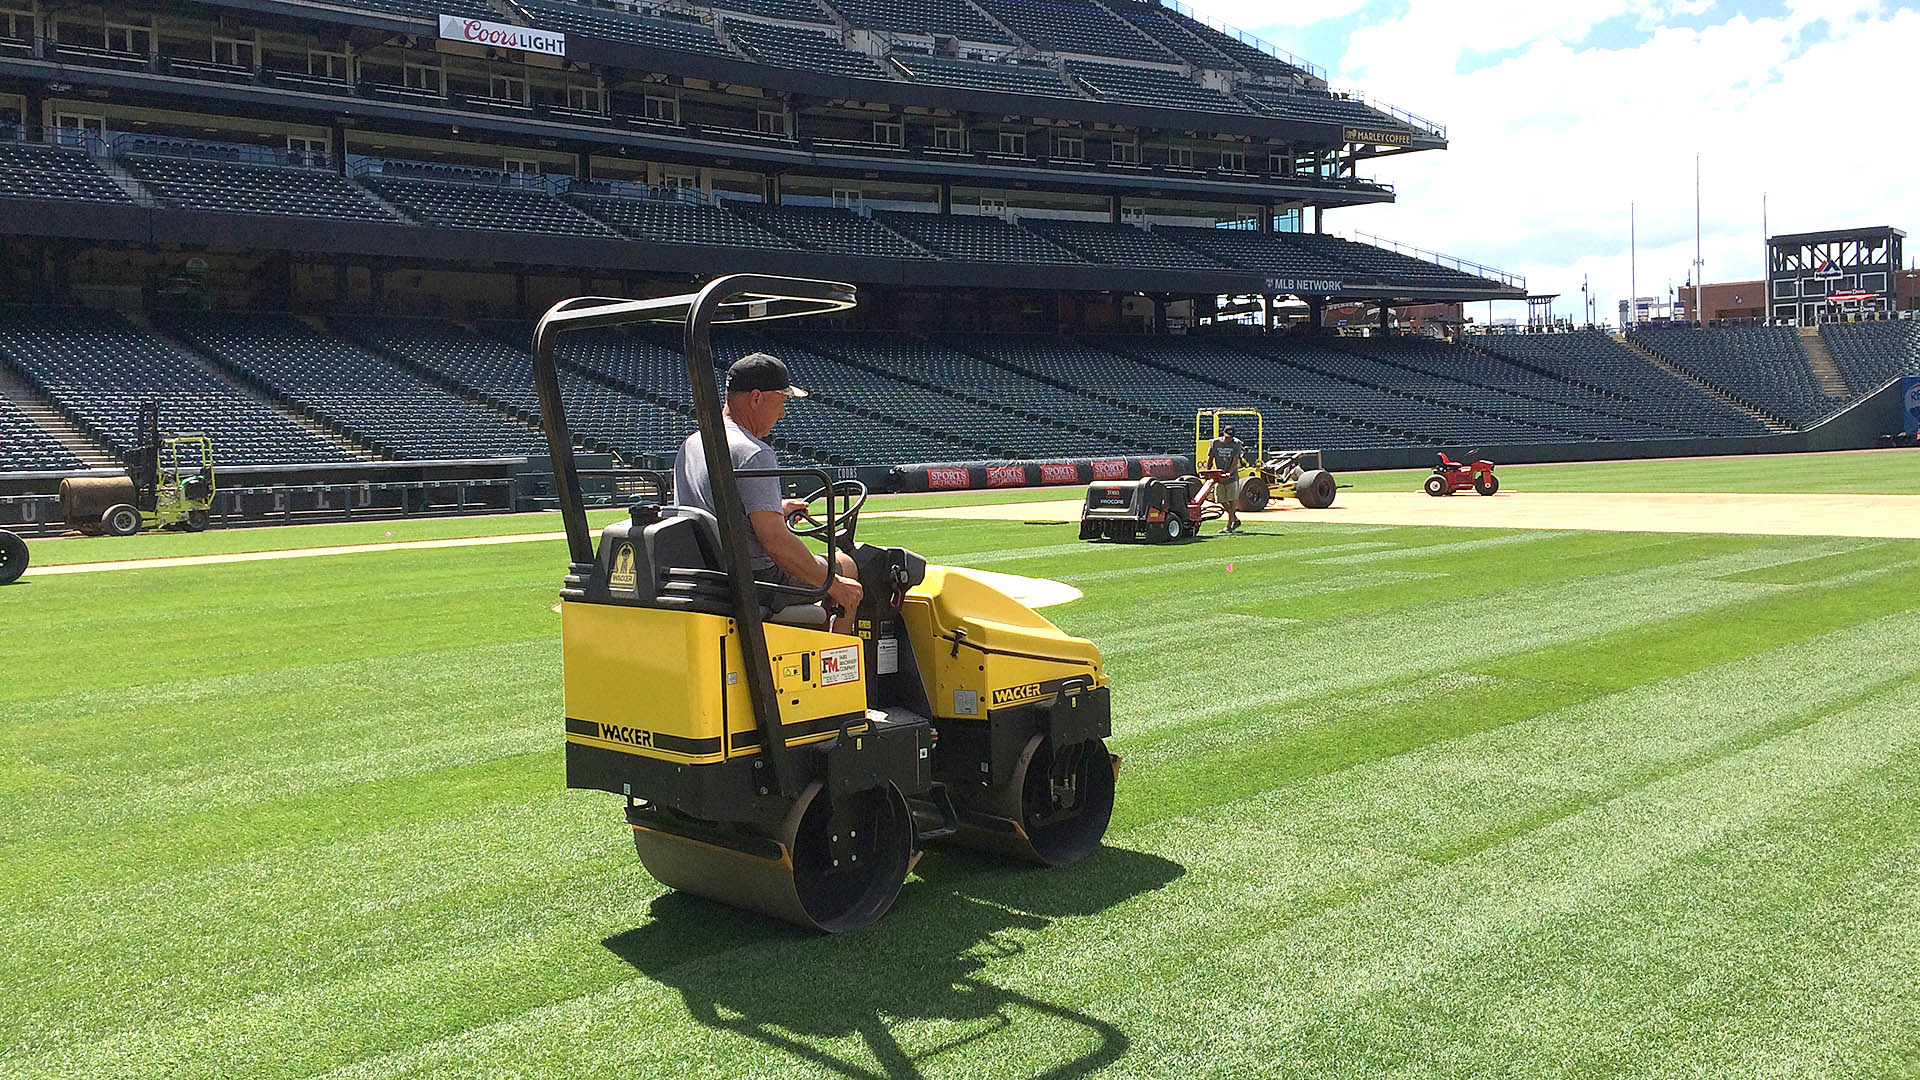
<point x="970" y="475"/>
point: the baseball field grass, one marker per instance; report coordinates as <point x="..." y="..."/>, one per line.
<point x="1426" y="802"/>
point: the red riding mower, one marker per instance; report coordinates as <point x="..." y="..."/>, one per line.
<point x="1450" y="476"/>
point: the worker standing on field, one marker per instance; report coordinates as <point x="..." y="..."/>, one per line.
<point x="757" y="391"/>
<point x="1225" y="454"/>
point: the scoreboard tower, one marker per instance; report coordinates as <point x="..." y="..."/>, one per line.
<point x="1822" y="276"/>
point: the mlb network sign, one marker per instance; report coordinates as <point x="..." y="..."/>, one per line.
<point x="502" y="36"/>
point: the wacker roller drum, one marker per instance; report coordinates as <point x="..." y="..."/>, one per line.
<point x="766" y="761"/>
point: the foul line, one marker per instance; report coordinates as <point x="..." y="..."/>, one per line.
<point x="289" y="553"/>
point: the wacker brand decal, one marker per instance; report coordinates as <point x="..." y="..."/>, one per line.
<point x="1015" y="695"/>
<point x="841" y="665"/>
<point x="1059" y="474"/>
<point x="1006" y="475"/>
<point x="632" y="736"/>
<point x="622" y="576"/>
<point x="948" y="478"/>
<point x="1109" y="470"/>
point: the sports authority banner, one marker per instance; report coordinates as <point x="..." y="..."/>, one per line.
<point x="502" y="35"/>
<point x="1910" y="395"/>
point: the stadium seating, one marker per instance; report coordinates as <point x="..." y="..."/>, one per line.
<point x="882" y="391"/>
<point x="1269" y="253"/>
<point x="1495" y="385"/>
<point x="955" y="17"/>
<point x="832" y="229"/>
<point x="341" y="384"/>
<point x="1442" y="410"/>
<point x="1869" y="355"/>
<point x="1149" y="86"/>
<point x="607" y="25"/>
<point x="598" y="416"/>
<point x="1591" y="359"/>
<point x="965" y="375"/>
<point x="25" y="447"/>
<point x="1380" y="264"/>
<point x="974" y="238"/>
<point x="1257" y="61"/>
<point x="975" y="75"/>
<point x="675" y="221"/>
<point x="35" y="171"/>
<point x="1119" y="245"/>
<point x="1167" y="27"/>
<point x="796" y="10"/>
<point x="253" y="189"/>
<point x="1763" y="366"/>
<point x="1308" y="401"/>
<point x="99" y="369"/>
<point x="797" y="47"/>
<point x="1317" y="106"/>
<point x="475" y="206"/>
<point x="1066" y="26"/>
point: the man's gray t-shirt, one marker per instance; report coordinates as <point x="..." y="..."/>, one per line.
<point x="691" y="486"/>
<point x="1226" y="453"/>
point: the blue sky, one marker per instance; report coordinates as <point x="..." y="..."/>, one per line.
<point x="1563" y="116"/>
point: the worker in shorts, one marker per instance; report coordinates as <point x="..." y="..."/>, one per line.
<point x="1225" y="454"/>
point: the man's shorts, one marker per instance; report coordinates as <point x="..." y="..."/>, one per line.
<point x="1228" y="491"/>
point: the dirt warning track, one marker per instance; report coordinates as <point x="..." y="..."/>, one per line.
<point x="1882" y="516"/>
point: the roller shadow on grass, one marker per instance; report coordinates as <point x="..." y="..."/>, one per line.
<point x="920" y="967"/>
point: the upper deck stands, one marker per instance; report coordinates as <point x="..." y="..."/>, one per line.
<point x="974" y="75"/>
<point x="35" y="171"/>
<point x="1084" y="28"/>
<point x="955" y="17"/>
<point x="975" y="239"/>
<point x="229" y="187"/>
<point x="1120" y="245"/>
<point x="833" y="229"/>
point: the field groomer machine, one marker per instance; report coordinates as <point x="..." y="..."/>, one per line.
<point x="766" y="761"/>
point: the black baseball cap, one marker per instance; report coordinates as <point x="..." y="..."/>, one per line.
<point x="761" y="371"/>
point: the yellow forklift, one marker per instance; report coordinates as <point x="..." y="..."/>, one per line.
<point x="170" y="484"/>
<point x="765" y="761"/>
<point x="1279" y="474"/>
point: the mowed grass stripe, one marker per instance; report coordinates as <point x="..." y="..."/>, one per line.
<point x="1442" y="815"/>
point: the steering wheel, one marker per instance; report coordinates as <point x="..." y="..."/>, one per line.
<point x="803" y="522"/>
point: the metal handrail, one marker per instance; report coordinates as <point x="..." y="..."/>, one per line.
<point x="1452" y="262"/>
<point x="1249" y="40"/>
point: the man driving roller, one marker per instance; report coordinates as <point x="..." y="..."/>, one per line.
<point x="758" y="387"/>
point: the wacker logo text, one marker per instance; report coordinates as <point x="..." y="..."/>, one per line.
<point x="630" y="735"/>
<point x="1013" y="695"/>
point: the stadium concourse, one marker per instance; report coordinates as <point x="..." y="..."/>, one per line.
<point x="320" y="237"/>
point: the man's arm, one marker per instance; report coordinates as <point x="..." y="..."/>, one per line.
<point x="789" y="553"/>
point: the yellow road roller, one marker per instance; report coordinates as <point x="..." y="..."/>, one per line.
<point x="767" y="762"/>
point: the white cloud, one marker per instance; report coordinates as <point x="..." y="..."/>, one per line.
<point x="1551" y="144"/>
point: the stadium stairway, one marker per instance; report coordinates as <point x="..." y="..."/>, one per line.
<point x="35" y="407"/>
<point x="1820" y="358"/>
<point x="1773" y="424"/>
<point x="241" y="386"/>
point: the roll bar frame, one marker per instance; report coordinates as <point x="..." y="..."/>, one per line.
<point x="729" y="299"/>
